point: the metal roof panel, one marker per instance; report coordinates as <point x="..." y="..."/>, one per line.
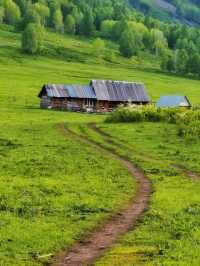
<point x="173" y="101"/>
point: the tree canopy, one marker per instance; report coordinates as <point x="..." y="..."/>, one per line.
<point x="175" y="45"/>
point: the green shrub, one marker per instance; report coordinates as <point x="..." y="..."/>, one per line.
<point x="189" y="125"/>
<point x="152" y="114"/>
<point x="133" y="113"/>
<point x="187" y="121"/>
<point x="190" y="131"/>
<point x="126" y="114"/>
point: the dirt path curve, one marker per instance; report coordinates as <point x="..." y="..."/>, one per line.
<point x="108" y="138"/>
<point x="86" y="252"/>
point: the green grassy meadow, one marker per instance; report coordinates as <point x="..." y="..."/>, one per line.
<point x="53" y="189"/>
<point x="168" y="234"/>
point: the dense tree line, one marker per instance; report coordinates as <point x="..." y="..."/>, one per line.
<point x="176" y="46"/>
<point x="185" y="10"/>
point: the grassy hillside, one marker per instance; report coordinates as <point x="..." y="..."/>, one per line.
<point x="69" y="60"/>
<point x="45" y="203"/>
<point x="186" y="11"/>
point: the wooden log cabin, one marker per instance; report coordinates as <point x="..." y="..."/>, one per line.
<point x="98" y="96"/>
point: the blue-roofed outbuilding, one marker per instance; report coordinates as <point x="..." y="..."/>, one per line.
<point x="172" y="101"/>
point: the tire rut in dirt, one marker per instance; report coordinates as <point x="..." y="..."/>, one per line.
<point x="95" y="244"/>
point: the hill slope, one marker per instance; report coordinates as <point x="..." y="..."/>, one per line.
<point x="187" y="11"/>
<point x="46" y="204"/>
<point x="68" y="59"/>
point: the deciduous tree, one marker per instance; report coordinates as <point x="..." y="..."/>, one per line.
<point x="70" y="24"/>
<point x="12" y="12"/>
<point x="58" y="21"/>
<point x="32" y="38"/>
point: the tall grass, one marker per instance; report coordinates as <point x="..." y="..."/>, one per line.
<point x="187" y="121"/>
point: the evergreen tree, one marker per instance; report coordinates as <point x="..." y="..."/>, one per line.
<point x="168" y="63"/>
<point x="87" y="23"/>
<point x="118" y="28"/>
<point x="23" y="5"/>
<point x="31" y="16"/>
<point x="127" y="43"/>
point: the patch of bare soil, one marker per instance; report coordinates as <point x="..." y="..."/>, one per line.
<point x="95" y="244"/>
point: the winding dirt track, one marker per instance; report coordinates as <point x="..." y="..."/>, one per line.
<point x="86" y="252"/>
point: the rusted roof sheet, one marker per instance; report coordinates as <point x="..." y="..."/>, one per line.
<point x="120" y="91"/>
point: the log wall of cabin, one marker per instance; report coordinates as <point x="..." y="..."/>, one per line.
<point x="59" y="103"/>
<point x="79" y="104"/>
<point x="66" y="103"/>
<point x="102" y="106"/>
<point x="45" y="102"/>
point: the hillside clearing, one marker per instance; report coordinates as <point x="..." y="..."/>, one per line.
<point x="46" y="204"/>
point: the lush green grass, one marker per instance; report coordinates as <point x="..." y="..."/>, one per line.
<point x="54" y="188"/>
<point x="169" y="232"/>
<point x="30" y="72"/>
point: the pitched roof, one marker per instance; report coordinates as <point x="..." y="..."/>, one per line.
<point x="173" y="101"/>
<point x="106" y="90"/>
<point x="122" y="91"/>
<point x="77" y="91"/>
<point x="68" y="91"/>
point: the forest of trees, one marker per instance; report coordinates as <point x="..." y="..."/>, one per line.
<point x="183" y="10"/>
<point x="176" y="46"/>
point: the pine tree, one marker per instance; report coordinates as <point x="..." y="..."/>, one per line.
<point x="87" y="23"/>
